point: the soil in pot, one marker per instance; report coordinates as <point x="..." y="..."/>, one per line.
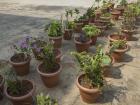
<point x="116" y="37"/>
<point x="119" y="53"/>
<point x="82" y="46"/>
<point x="25" y="97"/>
<point x="68" y="34"/>
<point x="1" y="87"/>
<point x="50" y="78"/>
<point x="115" y="14"/>
<point x="89" y="94"/>
<point x="57" y="41"/>
<point x="20" y="63"/>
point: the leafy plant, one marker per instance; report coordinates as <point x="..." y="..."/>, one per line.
<point x="45" y="100"/>
<point x="91" y="67"/>
<point x="123" y="2"/>
<point x="54" y="29"/>
<point x="49" y="57"/>
<point x="91" y="30"/>
<point x="70" y="25"/>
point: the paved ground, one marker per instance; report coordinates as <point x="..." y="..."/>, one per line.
<point x="18" y="20"/>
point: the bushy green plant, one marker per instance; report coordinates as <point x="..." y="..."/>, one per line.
<point x="123" y="2"/>
<point x="49" y="57"/>
<point x="54" y="29"/>
<point x="70" y="25"/>
<point x="91" y="67"/>
<point x="91" y="30"/>
<point x="45" y="100"/>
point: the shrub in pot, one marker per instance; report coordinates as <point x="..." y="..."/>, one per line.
<point x="70" y="25"/>
<point x="82" y="42"/>
<point x="19" y="92"/>
<point x="49" y="69"/>
<point x="90" y="81"/>
<point x="42" y="99"/>
<point x="54" y="31"/>
<point x="1" y="86"/>
<point x="92" y="32"/>
<point x="91" y="14"/>
<point x="117" y="50"/>
<point x="21" y="58"/>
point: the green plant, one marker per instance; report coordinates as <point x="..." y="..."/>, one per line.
<point x="91" y="30"/>
<point x="70" y="25"/>
<point x="91" y="67"/>
<point x="45" y="100"/>
<point x="90" y="12"/>
<point x="49" y="57"/>
<point x="123" y="2"/>
<point x="106" y="15"/>
<point x="54" y="29"/>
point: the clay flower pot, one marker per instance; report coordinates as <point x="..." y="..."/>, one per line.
<point x="93" y="39"/>
<point x="87" y="95"/>
<point x="118" y="54"/>
<point x="115" y="14"/>
<point x="57" y="55"/>
<point x="1" y="86"/>
<point x="78" y="28"/>
<point x="57" y="41"/>
<point x="21" y="68"/>
<point x="50" y="80"/>
<point x="128" y="33"/>
<point x="120" y="9"/>
<point x="80" y="47"/>
<point x="85" y="21"/>
<point x="116" y="37"/>
<point x="68" y="34"/>
<point x="27" y="98"/>
<point x="106" y="68"/>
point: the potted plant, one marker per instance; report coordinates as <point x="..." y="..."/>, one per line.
<point x="117" y="50"/>
<point x="70" y="25"/>
<point x="116" y="36"/>
<point x="90" y="82"/>
<point x="49" y="69"/>
<point x="82" y="42"/>
<point x="21" y="58"/>
<point x="37" y="45"/>
<point x="1" y="86"/>
<point x="115" y="14"/>
<point x="92" y="32"/>
<point x="91" y="14"/>
<point x="41" y="99"/>
<point x="19" y="92"/>
<point x="54" y="31"/>
<point x="121" y="6"/>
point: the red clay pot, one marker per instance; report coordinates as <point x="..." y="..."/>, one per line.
<point x="80" y="47"/>
<point x="21" y="68"/>
<point x="26" y="99"/>
<point x="115" y="14"/>
<point x="57" y="41"/>
<point x="78" y="28"/>
<point x="50" y="80"/>
<point x="88" y="95"/>
<point x="116" y="37"/>
<point x="1" y="87"/>
<point x="58" y="55"/>
<point x="118" y="54"/>
<point x="68" y="34"/>
<point x="93" y="39"/>
<point x="120" y="9"/>
<point x="128" y="34"/>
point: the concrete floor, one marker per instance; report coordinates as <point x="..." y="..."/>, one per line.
<point x="17" y="21"/>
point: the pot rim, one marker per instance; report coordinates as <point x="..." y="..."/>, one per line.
<point x="116" y="12"/>
<point x="83" y="88"/>
<point x="122" y="50"/>
<point x="20" y="63"/>
<point x="49" y="74"/>
<point x="24" y="96"/>
<point x="111" y="39"/>
<point x="88" y="42"/>
<point x="2" y="80"/>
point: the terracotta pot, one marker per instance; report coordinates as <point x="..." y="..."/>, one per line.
<point x="26" y="99"/>
<point x="78" y="28"/>
<point x="120" y="9"/>
<point x="21" y="68"/>
<point x="128" y="34"/>
<point x="57" y="41"/>
<point x="85" y="21"/>
<point x="88" y="95"/>
<point x="106" y="68"/>
<point x="80" y="47"/>
<point x="68" y="34"/>
<point x="93" y="39"/>
<point x="1" y="87"/>
<point x="91" y="20"/>
<point x="118" y="54"/>
<point x="115" y="14"/>
<point x="116" y="37"/>
<point x="97" y="14"/>
<point x="50" y="80"/>
<point x="58" y="55"/>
